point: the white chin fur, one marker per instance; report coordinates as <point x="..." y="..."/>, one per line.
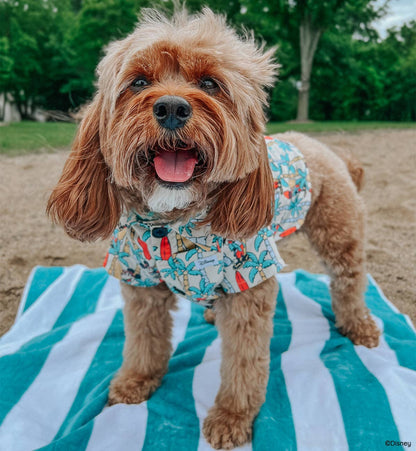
<point x="165" y="199"/>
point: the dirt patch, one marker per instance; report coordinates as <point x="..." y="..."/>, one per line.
<point x="28" y="239"/>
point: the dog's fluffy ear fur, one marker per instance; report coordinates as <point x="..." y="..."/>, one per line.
<point x="85" y="202"/>
<point x="245" y="206"/>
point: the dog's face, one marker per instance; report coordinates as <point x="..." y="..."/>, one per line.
<point x="178" y="120"/>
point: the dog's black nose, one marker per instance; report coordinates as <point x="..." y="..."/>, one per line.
<point x="172" y="111"/>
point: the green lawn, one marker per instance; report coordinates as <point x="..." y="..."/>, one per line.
<point x="329" y="126"/>
<point x="26" y="137"/>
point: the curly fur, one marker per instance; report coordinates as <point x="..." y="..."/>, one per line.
<point x="110" y="169"/>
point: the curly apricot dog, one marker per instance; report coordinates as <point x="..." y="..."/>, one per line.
<point x="170" y="157"/>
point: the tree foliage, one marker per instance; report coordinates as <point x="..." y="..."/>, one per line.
<point x="366" y="80"/>
<point x="49" y="50"/>
<point x="33" y="32"/>
<point x="97" y="22"/>
<point x="6" y="64"/>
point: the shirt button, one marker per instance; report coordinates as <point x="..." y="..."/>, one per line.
<point x="160" y="232"/>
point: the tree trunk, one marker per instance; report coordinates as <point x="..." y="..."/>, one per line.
<point x="309" y="38"/>
<point x="2" y="105"/>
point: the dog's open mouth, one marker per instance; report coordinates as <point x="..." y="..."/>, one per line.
<point x="176" y="164"/>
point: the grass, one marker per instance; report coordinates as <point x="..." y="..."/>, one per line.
<point x="28" y="137"/>
<point x="329" y="126"/>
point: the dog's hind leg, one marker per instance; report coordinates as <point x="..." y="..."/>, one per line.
<point x="245" y="323"/>
<point x="335" y="227"/>
<point x="148" y="326"/>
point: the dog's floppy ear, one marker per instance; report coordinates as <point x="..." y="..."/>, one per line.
<point x="84" y="201"/>
<point x="243" y="207"/>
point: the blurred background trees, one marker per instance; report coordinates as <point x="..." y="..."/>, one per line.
<point x="334" y="64"/>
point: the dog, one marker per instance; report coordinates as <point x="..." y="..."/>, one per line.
<point x="171" y="159"/>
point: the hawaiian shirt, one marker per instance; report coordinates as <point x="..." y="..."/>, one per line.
<point x="200" y="265"/>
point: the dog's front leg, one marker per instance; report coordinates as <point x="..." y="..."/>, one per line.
<point x="148" y="326"/>
<point x="245" y="322"/>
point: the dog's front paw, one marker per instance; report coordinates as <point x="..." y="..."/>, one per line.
<point x="130" y="388"/>
<point x="226" y="430"/>
<point x="362" y="332"/>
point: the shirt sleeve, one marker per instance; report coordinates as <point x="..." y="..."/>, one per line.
<point x="250" y="262"/>
<point x="128" y="259"/>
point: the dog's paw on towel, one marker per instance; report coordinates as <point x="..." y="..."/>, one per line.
<point x="226" y="430"/>
<point x="128" y="388"/>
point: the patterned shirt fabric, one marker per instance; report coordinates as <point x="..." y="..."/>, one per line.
<point x="200" y="265"/>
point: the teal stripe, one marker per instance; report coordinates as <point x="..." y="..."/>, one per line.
<point x="42" y="278"/>
<point x="85" y="297"/>
<point x="274" y="423"/>
<point x="93" y="391"/>
<point x="364" y="404"/>
<point x="398" y="334"/>
<point x="19" y="370"/>
<point x="172" y="422"/>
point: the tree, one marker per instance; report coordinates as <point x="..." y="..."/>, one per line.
<point x="6" y="66"/>
<point x="49" y="50"/>
<point x="397" y="55"/>
<point x="304" y="22"/>
<point x="372" y="79"/>
<point x="95" y="25"/>
<point x="313" y="19"/>
<point x="31" y="31"/>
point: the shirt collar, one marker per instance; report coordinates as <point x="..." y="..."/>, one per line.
<point x="200" y="235"/>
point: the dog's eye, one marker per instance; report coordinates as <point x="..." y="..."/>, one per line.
<point x="209" y="85"/>
<point x="139" y="83"/>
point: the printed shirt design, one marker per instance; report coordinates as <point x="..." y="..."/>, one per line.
<point x="202" y="266"/>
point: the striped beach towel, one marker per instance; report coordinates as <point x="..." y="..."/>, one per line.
<point x="324" y="393"/>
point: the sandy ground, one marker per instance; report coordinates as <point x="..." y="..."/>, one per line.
<point x="28" y="239"/>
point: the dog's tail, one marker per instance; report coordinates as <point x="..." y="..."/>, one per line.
<point x="355" y="168"/>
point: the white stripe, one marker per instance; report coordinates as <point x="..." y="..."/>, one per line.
<point x="25" y="293"/>
<point x="129" y="422"/>
<point x="37" y="417"/>
<point x="110" y="296"/>
<point x="119" y="427"/>
<point x="40" y="317"/>
<point x="324" y="278"/>
<point x="399" y="384"/>
<point x="205" y="386"/>
<point x="307" y="379"/>
<point x="180" y="317"/>
<point x="383" y="364"/>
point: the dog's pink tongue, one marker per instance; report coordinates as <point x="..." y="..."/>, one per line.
<point x="175" y="166"/>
